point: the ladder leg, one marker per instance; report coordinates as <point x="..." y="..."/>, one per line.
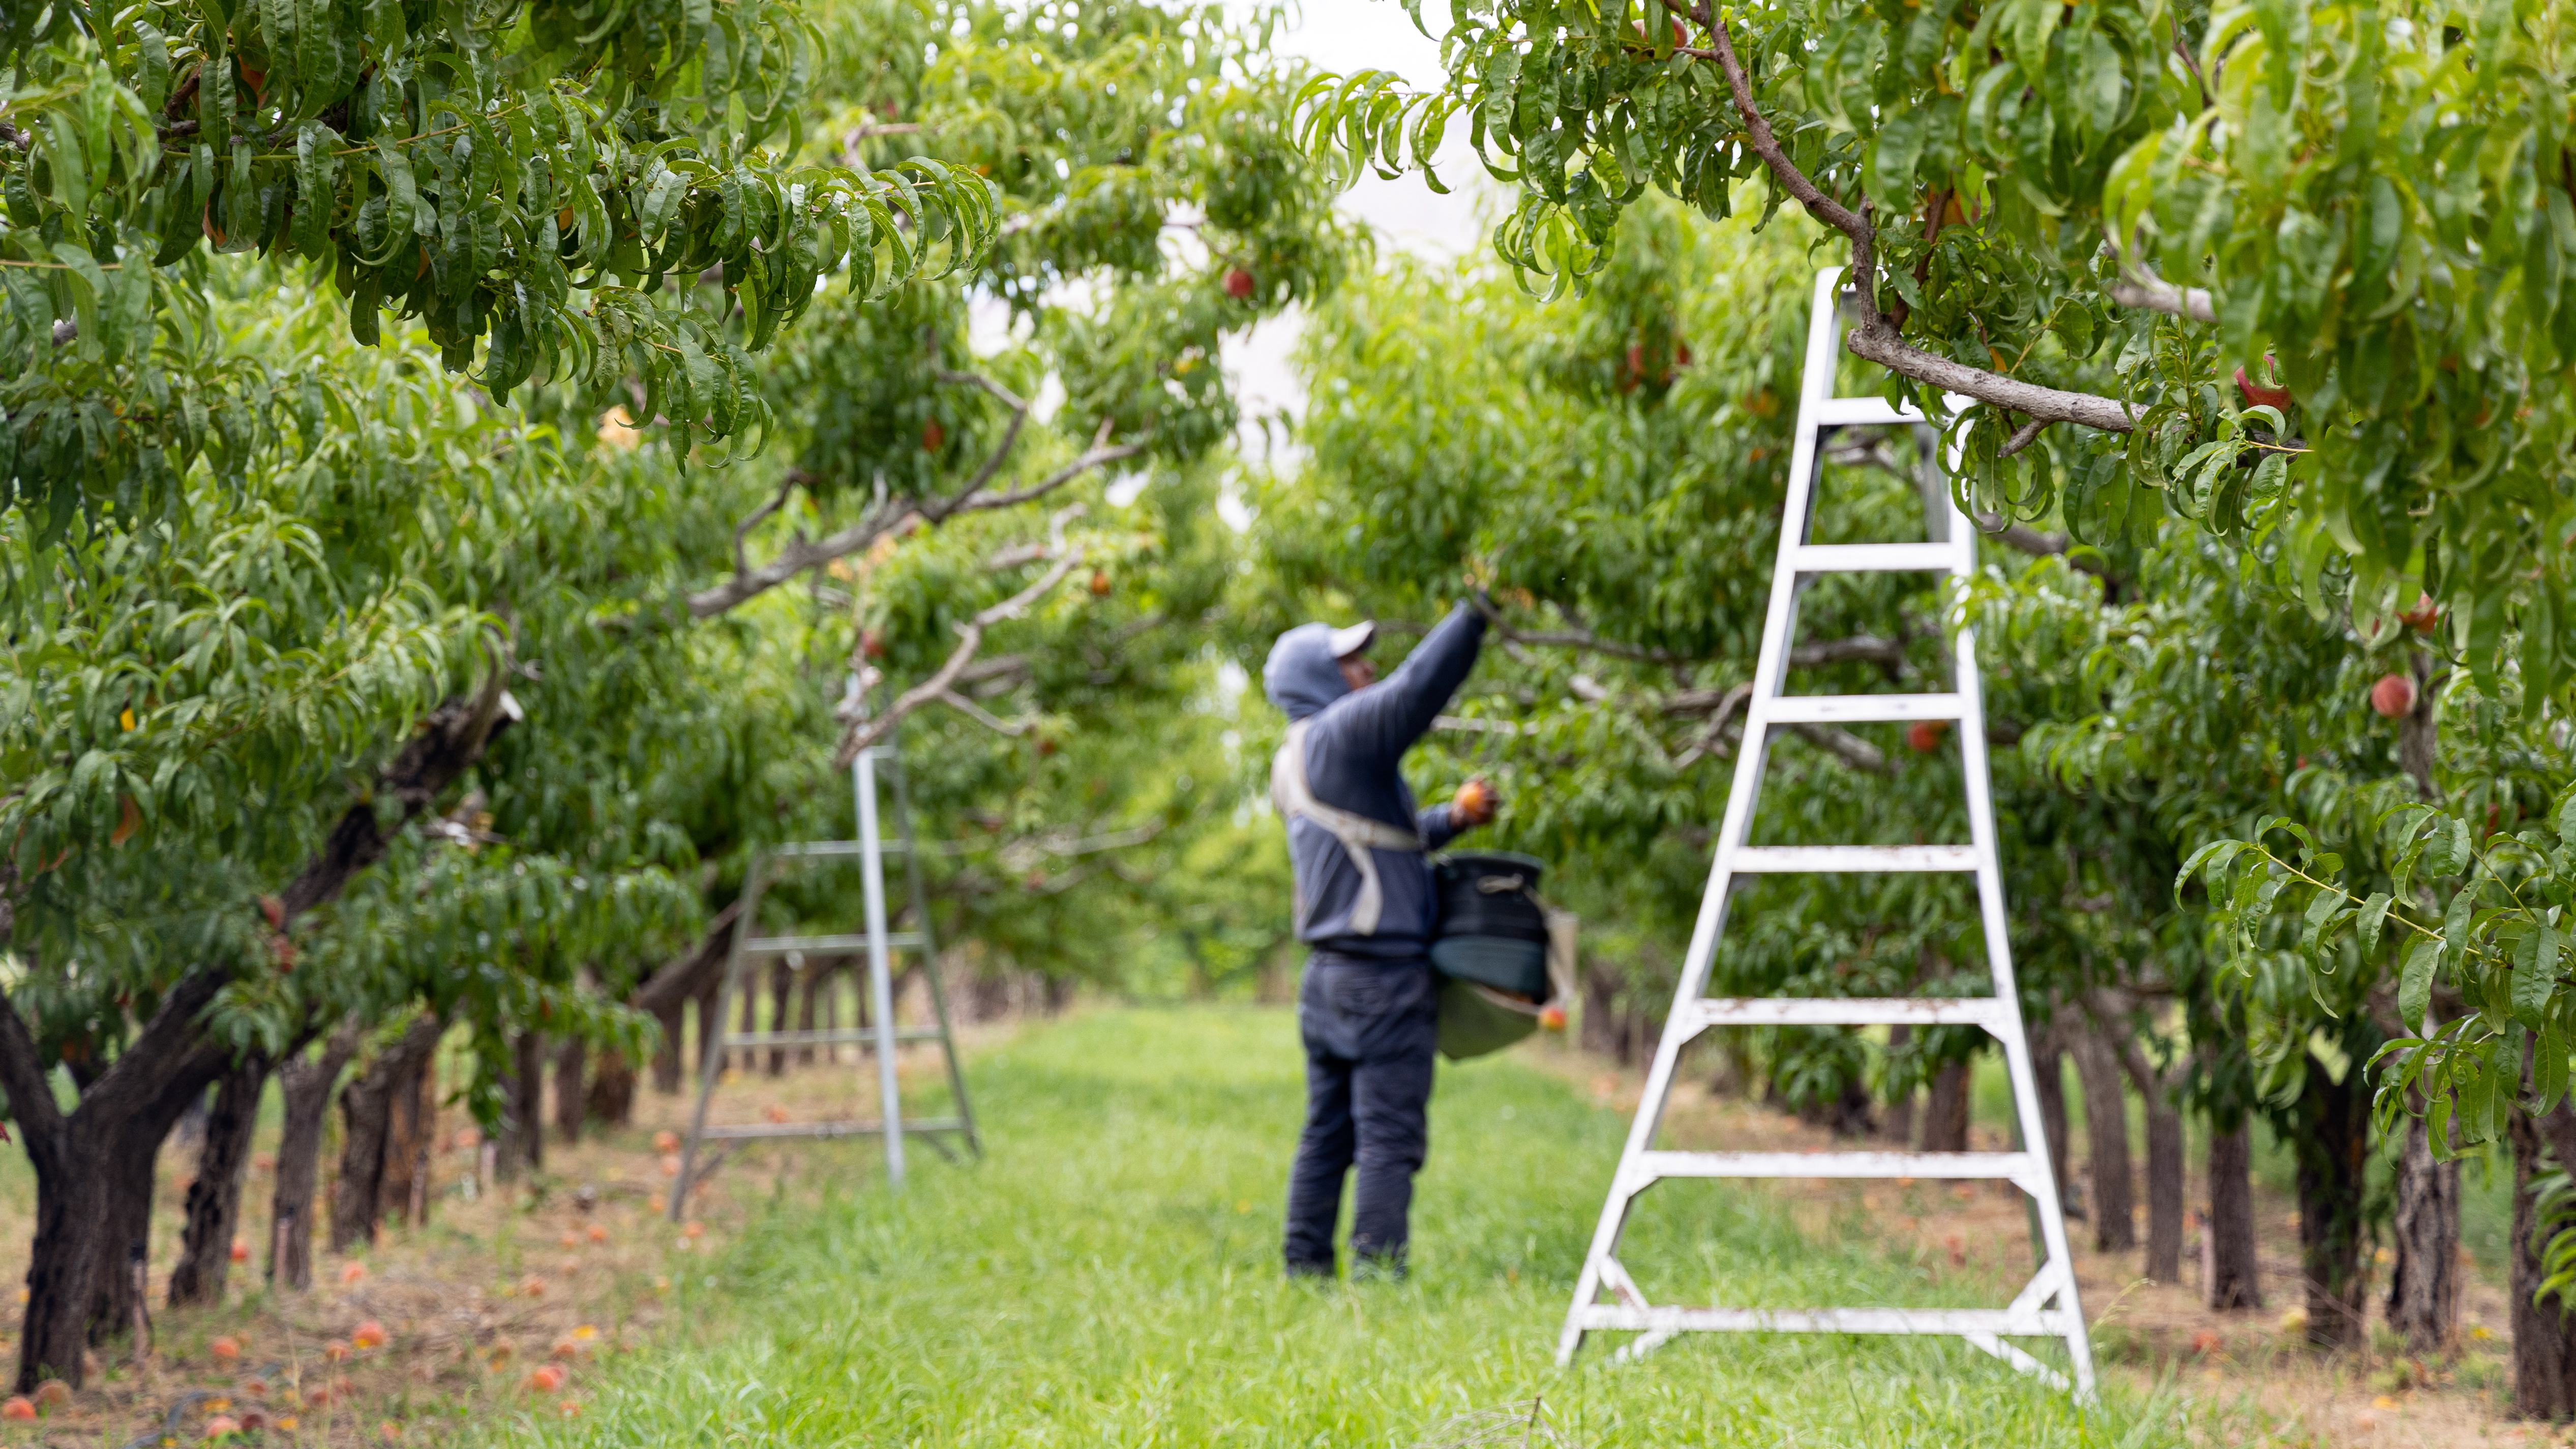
<point x="930" y="946"/>
<point x="711" y="1034"/>
<point x="2014" y="1033"/>
<point x="880" y="975"/>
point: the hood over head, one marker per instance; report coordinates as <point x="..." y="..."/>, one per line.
<point x="1303" y="674"/>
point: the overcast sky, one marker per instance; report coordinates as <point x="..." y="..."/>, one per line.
<point x="1344" y="36"/>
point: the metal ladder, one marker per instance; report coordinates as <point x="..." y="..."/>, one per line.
<point x="883" y="1035"/>
<point x="2047" y="1306"/>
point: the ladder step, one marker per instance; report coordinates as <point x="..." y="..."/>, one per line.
<point x="837" y="1036"/>
<point x="1650" y="1167"/>
<point x="1857" y="708"/>
<point x="1862" y="558"/>
<point x="753" y="1131"/>
<point x="836" y="847"/>
<point x="2045" y="1322"/>
<point x="825" y="945"/>
<point x="1846" y="1011"/>
<point x="1834" y="412"/>
<point x="1804" y="859"/>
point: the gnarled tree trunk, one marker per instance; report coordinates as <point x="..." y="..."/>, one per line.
<point x="2331" y="1149"/>
<point x="1945" y="1114"/>
<point x="2106" y="1136"/>
<point x="411" y="1133"/>
<point x="2048" y="1082"/>
<point x="368" y="1147"/>
<point x="1896" y="1124"/>
<point x="572" y="1098"/>
<point x="305" y="1083"/>
<point x="2164" y="1152"/>
<point x="214" y="1199"/>
<point x="2424" y="1283"/>
<point x="2234" y="1277"/>
<point x="2544" y="1333"/>
<point x="610" y="1098"/>
<point x="90" y="1206"/>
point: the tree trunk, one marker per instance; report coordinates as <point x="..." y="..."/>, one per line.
<point x="1897" y="1125"/>
<point x="71" y="1231"/>
<point x="2424" y="1286"/>
<point x="527" y="1109"/>
<point x="114" y="1297"/>
<point x="2048" y="1073"/>
<point x="2544" y="1334"/>
<point x="2106" y="1138"/>
<point x="611" y="1095"/>
<point x="572" y="1099"/>
<point x="2234" y="1279"/>
<point x="214" y="1199"/>
<point x="2165" y="1193"/>
<point x="368" y="1110"/>
<point x="667" y="1066"/>
<point x="306" y="1084"/>
<point x="2331" y="1148"/>
<point x="810" y="1013"/>
<point x="696" y="976"/>
<point x="710" y="1002"/>
<point x="782" y="996"/>
<point x="411" y="1126"/>
<point x="1945" y="1115"/>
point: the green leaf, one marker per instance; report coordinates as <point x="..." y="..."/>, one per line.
<point x="2535" y="975"/>
<point x="2216" y="855"/>
<point x="2415" y="983"/>
<point x="2374" y="914"/>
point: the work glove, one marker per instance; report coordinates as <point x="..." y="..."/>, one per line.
<point x="1474" y="804"/>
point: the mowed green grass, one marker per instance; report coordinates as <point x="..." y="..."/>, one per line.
<point x="1109" y="1276"/>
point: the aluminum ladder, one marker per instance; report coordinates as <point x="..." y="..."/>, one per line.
<point x="2047" y="1306"/>
<point x="882" y="1035"/>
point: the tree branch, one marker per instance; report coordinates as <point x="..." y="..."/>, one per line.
<point x="1010" y="435"/>
<point x="1099" y="454"/>
<point x="1886" y="653"/>
<point x="2023" y="436"/>
<point x="799" y="556"/>
<point x="447" y="744"/>
<point x="742" y="530"/>
<point x="886" y="518"/>
<point x="31" y="1096"/>
<point x="1850" y="748"/>
<point x="864" y="733"/>
<point x="1874" y="339"/>
<point x="2154" y="294"/>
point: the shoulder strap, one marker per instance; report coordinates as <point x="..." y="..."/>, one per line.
<point x="1358" y="834"/>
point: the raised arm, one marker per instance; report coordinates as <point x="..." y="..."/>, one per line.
<point x="1388" y="716"/>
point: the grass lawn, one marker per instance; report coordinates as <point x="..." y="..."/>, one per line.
<point x="1109" y="1275"/>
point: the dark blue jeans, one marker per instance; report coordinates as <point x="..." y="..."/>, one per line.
<point x="1370" y="1028"/>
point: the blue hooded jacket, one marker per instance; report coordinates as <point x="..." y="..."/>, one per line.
<point x="1353" y="749"/>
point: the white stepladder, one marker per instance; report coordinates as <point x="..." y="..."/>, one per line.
<point x="883" y="1035"/>
<point x="2047" y="1306"/>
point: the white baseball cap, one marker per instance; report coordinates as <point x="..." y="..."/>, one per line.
<point x="1355" y="639"/>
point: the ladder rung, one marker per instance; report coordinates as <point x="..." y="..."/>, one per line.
<point x="755" y="1130"/>
<point x="837" y="847"/>
<point x="1801" y="859"/>
<point x="836" y="1036"/>
<point x="1859" y="558"/>
<point x="2044" y="1322"/>
<point x="825" y="945"/>
<point x="1847" y="1011"/>
<point x="1857" y="708"/>
<point x="1849" y="411"/>
<point x="1652" y="1166"/>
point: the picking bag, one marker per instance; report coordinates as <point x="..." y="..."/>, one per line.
<point x="1492" y="950"/>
